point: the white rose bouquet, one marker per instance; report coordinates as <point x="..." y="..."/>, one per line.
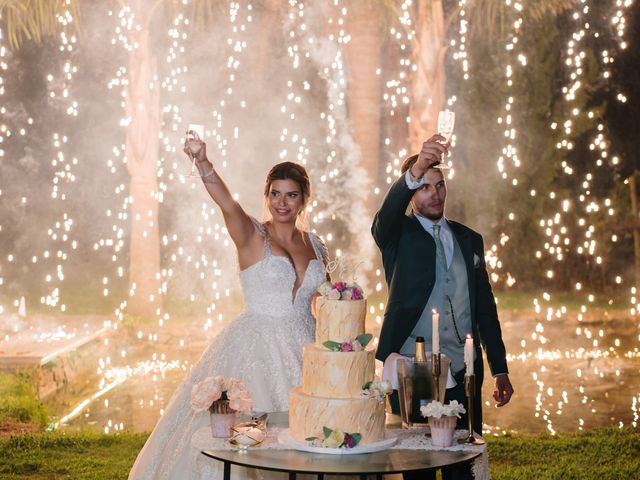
<point x="436" y="409"/>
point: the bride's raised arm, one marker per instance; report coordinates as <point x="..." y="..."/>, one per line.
<point x="238" y="223"/>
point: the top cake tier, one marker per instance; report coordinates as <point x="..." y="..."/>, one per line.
<point x="339" y="320"/>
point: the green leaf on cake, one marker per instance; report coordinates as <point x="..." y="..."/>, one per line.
<point x="356" y="438"/>
<point x="364" y="339"/>
<point x="327" y="432"/>
<point x="367" y="385"/>
<point x="333" y="346"/>
<point x="311" y="439"/>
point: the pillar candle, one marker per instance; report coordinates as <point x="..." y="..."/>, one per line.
<point x="435" y="332"/>
<point x="468" y="355"/>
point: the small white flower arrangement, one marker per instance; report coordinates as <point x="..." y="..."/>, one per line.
<point x="221" y="395"/>
<point x="436" y="409"/>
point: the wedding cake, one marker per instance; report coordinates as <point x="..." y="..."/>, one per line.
<point x="337" y="371"/>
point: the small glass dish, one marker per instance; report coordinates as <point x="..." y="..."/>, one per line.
<point x="248" y="434"/>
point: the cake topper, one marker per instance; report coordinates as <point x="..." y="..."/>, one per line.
<point x="344" y="268"/>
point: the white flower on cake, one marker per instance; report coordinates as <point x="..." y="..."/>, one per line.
<point x="376" y="389"/>
<point x="436" y="409"/>
<point x="217" y="390"/>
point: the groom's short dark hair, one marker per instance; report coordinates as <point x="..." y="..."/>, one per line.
<point x="409" y="161"/>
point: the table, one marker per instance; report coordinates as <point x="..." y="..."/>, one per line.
<point x="412" y="452"/>
<point x="378" y="463"/>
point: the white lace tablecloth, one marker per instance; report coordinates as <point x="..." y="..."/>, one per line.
<point x="206" y="467"/>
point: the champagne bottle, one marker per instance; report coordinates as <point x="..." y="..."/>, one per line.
<point x="421" y="355"/>
<point x="420" y="382"/>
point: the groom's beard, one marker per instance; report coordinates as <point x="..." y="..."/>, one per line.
<point x="433" y="215"/>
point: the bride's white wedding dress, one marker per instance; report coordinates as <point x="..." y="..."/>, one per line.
<point x="262" y="347"/>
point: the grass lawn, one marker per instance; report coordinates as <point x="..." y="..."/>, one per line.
<point x="19" y="402"/>
<point x="602" y="454"/>
<point x="86" y="456"/>
<point x="597" y="455"/>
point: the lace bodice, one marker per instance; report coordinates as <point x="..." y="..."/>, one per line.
<point x="268" y="284"/>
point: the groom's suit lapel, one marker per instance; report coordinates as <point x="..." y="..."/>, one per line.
<point x="423" y="243"/>
<point x="464" y="241"/>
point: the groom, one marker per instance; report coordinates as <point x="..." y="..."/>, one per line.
<point x="431" y="263"/>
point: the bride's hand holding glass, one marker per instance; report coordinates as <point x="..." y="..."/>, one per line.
<point x="196" y="150"/>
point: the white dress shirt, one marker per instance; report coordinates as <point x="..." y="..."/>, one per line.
<point x="446" y="236"/>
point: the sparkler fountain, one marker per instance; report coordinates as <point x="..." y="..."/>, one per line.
<point x="301" y="115"/>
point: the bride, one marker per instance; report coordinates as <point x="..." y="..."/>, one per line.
<point x="281" y="266"/>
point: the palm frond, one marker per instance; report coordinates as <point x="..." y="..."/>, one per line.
<point x="488" y="17"/>
<point x="202" y="12"/>
<point x="538" y="9"/>
<point x="25" y="20"/>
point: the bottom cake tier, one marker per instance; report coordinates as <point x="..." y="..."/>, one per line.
<point x="309" y="414"/>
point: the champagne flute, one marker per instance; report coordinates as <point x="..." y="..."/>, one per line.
<point x="446" y="121"/>
<point x="194" y="133"/>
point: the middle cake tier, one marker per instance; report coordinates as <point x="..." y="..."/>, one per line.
<point x="335" y="374"/>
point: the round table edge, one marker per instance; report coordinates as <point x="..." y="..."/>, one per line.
<point x="212" y="454"/>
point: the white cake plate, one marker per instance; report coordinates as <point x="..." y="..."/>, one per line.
<point x="285" y="438"/>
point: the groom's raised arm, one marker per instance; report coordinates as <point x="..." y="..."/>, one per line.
<point x="387" y="221"/>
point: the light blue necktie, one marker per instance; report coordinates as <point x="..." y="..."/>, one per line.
<point x="440" y="257"/>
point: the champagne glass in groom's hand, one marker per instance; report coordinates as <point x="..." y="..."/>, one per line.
<point x="446" y="121"/>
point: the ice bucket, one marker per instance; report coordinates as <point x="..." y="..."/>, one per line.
<point x="416" y="387"/>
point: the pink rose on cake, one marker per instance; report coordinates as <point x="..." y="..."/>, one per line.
<point x="340" y="286"/>
<point x="334" y="294"/>
<point x="346" y="347"/>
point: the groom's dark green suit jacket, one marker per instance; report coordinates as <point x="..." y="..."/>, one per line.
<point x="409" y="259"/>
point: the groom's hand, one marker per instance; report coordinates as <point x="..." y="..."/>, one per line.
<point x="431" y="153"/>
<point x="504" y="390"/>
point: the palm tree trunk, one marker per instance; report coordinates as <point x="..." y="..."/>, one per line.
<point x="427" y="83"/>
<point x="262" y="53"/>
<point x="362" y="56"/>
<point x="142" y="145"/>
